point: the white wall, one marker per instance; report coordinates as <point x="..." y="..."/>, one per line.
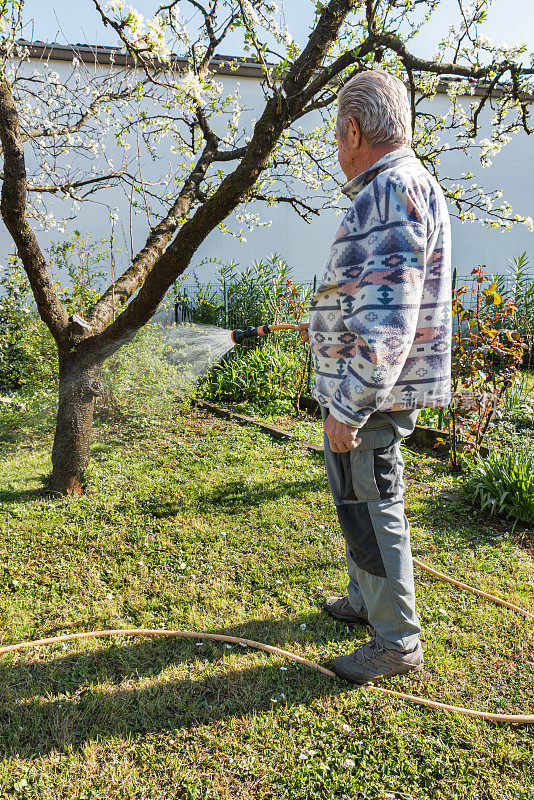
<point x="305" y="246"/>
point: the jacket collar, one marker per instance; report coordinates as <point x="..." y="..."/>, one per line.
<point x="355" y="185"/>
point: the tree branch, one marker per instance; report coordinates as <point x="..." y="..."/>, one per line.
<point x="36" y="133"/>
<point x="483" y="100"/>
<point x="395" y="43"/>
<point x="13" y="210"/>
<point x="230" y="155"/>
<point x="328" y="74"/>
<point x="124" y="287"/>
<point x="161" y="273"/>
<point x="303" y="209"/>
<point x="67" y="188"/>
<point x="312" y="56"/>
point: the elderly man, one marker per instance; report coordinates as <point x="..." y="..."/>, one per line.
<point x="380" y="334"/>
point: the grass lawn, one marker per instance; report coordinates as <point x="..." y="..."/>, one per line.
<point x="200" y="523"/>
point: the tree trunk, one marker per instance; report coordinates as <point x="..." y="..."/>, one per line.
<point x="78" y="387"/>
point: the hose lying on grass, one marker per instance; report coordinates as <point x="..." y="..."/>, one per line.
<point x="516" y="719"/>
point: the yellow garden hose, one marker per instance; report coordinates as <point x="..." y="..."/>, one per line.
<point x="468" y="588"/>
<point x="516" y="719"/>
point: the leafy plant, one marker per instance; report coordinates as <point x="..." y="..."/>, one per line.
<point x="503" y="483"/>
<point x="28" y="356"/>
<point x="80" y="259"/>
<point x="41" y="373"/>
<point x="203" y="305"/>
<point x="518" y="401"/>
<point x="263" y="376"/>
<point x="486" y="357"/>
<point x="430" y="417"/>
<point x="265" y="370"/>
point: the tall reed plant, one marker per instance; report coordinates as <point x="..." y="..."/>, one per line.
<point x="236" y="297"/>
<point x="523" y="298"/>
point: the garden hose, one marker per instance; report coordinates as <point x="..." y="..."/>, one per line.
<point x="515" y="719"/>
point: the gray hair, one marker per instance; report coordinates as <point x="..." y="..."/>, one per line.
<point x="379" y="103"/>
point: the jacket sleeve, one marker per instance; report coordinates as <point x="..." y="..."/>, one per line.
<point x="380" y="282"/>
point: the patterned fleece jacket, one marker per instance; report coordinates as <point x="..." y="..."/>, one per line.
<point x="380" y="320"/>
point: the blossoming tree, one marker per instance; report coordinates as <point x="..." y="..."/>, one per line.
<point x="219" y="164"/>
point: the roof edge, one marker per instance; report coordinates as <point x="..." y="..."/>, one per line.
<point x="222" y="65"/>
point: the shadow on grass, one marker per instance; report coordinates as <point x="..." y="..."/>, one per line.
<point x="8" y="496"/>
<point x="456" y="525"/>
<point x="234" y="497"/>
<point x="31" y="723"/>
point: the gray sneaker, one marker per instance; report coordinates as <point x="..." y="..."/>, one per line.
<point x="371" y="662"/>
<point x="340" y="608"/>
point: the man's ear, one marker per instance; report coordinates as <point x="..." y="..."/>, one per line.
<point x="353" y="132"/>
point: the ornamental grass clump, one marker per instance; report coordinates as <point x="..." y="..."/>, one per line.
<point x="503" y="483"/>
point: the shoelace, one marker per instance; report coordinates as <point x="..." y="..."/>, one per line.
<point x="370" y="649"/>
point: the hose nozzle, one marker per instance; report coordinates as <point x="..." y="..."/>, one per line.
<point x="238" y="336"/>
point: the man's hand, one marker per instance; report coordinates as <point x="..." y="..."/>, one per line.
<point x="303" y="330"/>
<point x="341" y="437"/>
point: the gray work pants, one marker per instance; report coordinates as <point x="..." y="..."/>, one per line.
<point x="367" y="486"/>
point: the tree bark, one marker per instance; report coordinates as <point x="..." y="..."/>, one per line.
<point x="78" y="387"/>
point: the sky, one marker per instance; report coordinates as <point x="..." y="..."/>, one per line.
<point x="77" y="21"/>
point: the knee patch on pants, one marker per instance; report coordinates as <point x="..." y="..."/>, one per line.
<point x="357" y="526"/>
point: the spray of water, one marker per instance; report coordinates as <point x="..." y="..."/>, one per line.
<point x="146" y="376"/>
<point x="193" y="349"/>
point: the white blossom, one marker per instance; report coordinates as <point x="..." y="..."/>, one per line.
<point x="249" y="12"/>
<point x="192" y="85"/>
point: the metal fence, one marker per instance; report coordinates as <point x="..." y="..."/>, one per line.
<point x="189" y="301"/>
<point x="215" y="306"/>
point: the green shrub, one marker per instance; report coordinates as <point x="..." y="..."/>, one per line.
<point x="14" y="311"/>
<point x="28" y="355"/>
<point x="204" y="305"/>
<point x="140" y="378"/>
<point x="41" y="371"/>
<point x="262" y="376"/>
<point x="503" y="483"/>
<point x="266" y="371"/>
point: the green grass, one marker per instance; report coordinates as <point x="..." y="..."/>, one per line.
<point x="200" y="523"/>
